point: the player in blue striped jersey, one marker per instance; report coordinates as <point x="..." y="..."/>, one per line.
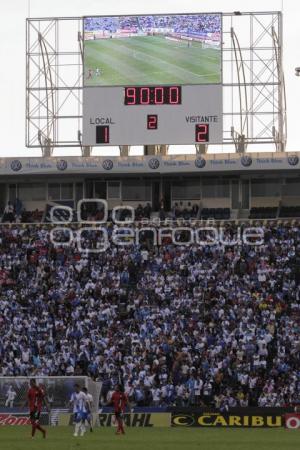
<point x="79" y="402"/>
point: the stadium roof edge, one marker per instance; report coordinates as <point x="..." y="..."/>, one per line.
<point x="229" y="13"/>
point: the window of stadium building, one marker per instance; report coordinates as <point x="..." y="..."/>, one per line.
<point x="214" y="188"/>
<point x="113" y="189"/>
<point x="32" y="192"/>
<point x="12" y="192"/>
<point x="186" y="190"/>
<point x="136" y="190"/>
<point x="265" y="188"/>
<point x="291" y="188"/>
<point x="78" y="191"/>
<point x="100" y="189"/>
<point x="67" y="191"/>
<point x="60" y="191"/>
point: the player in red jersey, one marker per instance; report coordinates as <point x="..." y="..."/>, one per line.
<point x="35" y="398"/>
<point x="119" y="401"/>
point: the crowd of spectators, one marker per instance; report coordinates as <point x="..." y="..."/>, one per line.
<point x="184" y="23"/>
<point x="14" y="212"/>
<point x="178" y="325"/>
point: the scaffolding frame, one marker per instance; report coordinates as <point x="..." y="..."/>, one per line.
<point x="254" y="101"/>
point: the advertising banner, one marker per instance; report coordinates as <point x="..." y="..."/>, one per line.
<point x="65" y="419"/>
<point x="242" y="418"/>
<point x="150" y="164"/>
<point x="20" y="419"/>
<point x="142" y="420"/>
<point x="292" y="421"/>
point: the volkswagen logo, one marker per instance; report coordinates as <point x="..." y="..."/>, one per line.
<point x="200" y="163"/>
<point x="293" y="160"/>
<point x="107" y="164"/>
<point x="153" y="163"/>
<point x="61" y="164"/>
<point x="246" y="160"/>
<point x="16" y="165"/>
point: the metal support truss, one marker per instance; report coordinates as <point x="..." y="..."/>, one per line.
<point x="254" y="109"/>
<point x="53" y="83"/>
<point x="254" y="105"/>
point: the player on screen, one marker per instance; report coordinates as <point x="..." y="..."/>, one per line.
<point x="79" y="402"/>
<point x="119" y="401"/>
<point x="89" y="407"/>
<point x="36" y="399"/>
<point x="90" y="74"/>
<point x="98" y="72"/>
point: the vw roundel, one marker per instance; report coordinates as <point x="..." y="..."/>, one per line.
<point x="62" y="165"/>
<point x="246" y="160"/>
<point x="153" y="163"/>
<point x="200" y="163"/>
<point x="107" y="164"/>
<point x="293" y="160"/>
<point x="16" y="165"/>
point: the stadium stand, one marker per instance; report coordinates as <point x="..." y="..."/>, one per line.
<point x="178" y="325"/>
<point x="289" y="211"/>
<point x="215" y="213"/>
<point x="181" y="23"/>
<point x="266" y="212"/>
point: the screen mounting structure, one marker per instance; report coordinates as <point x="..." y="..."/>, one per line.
<point x="164" y="66"/>
<point x="254" y="107"/>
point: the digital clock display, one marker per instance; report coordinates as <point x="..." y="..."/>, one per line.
<point x="152" y="95"/>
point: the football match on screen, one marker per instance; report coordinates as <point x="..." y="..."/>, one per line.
<point x="158" y="49"/>
<point x="149" y="225"/>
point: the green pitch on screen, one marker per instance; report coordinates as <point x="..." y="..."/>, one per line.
<point x="149" y="60"/>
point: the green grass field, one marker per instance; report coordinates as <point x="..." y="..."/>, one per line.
<point x="60" y="438"/>
<point x="150" y="60"/>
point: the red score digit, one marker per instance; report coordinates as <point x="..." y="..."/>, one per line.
<point x="152" y="122"/>
<point x="202" y="132"/>
<point x="102" y="134"/>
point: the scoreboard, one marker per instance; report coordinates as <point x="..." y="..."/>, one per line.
<point x="152" y="115"/>
<point x="152" y="80"/>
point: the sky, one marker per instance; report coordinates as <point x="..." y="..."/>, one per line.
<point x="12" y="51"/>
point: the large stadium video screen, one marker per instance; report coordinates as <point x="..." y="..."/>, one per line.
<point x="183" y="49"/>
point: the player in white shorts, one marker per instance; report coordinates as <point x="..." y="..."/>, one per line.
<point x="90" y="402"/>
<point x="79" y="402"/>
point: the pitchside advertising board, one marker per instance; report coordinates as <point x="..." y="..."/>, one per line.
<point x="204" y="420"/>
<point x="242" y="418"/>
<point x="132" y="420"/>
<point x="20" y="419"/>
<point x="154" y="79"/>
<point x="236" y="418"/>
<point x="292" y="421"/>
